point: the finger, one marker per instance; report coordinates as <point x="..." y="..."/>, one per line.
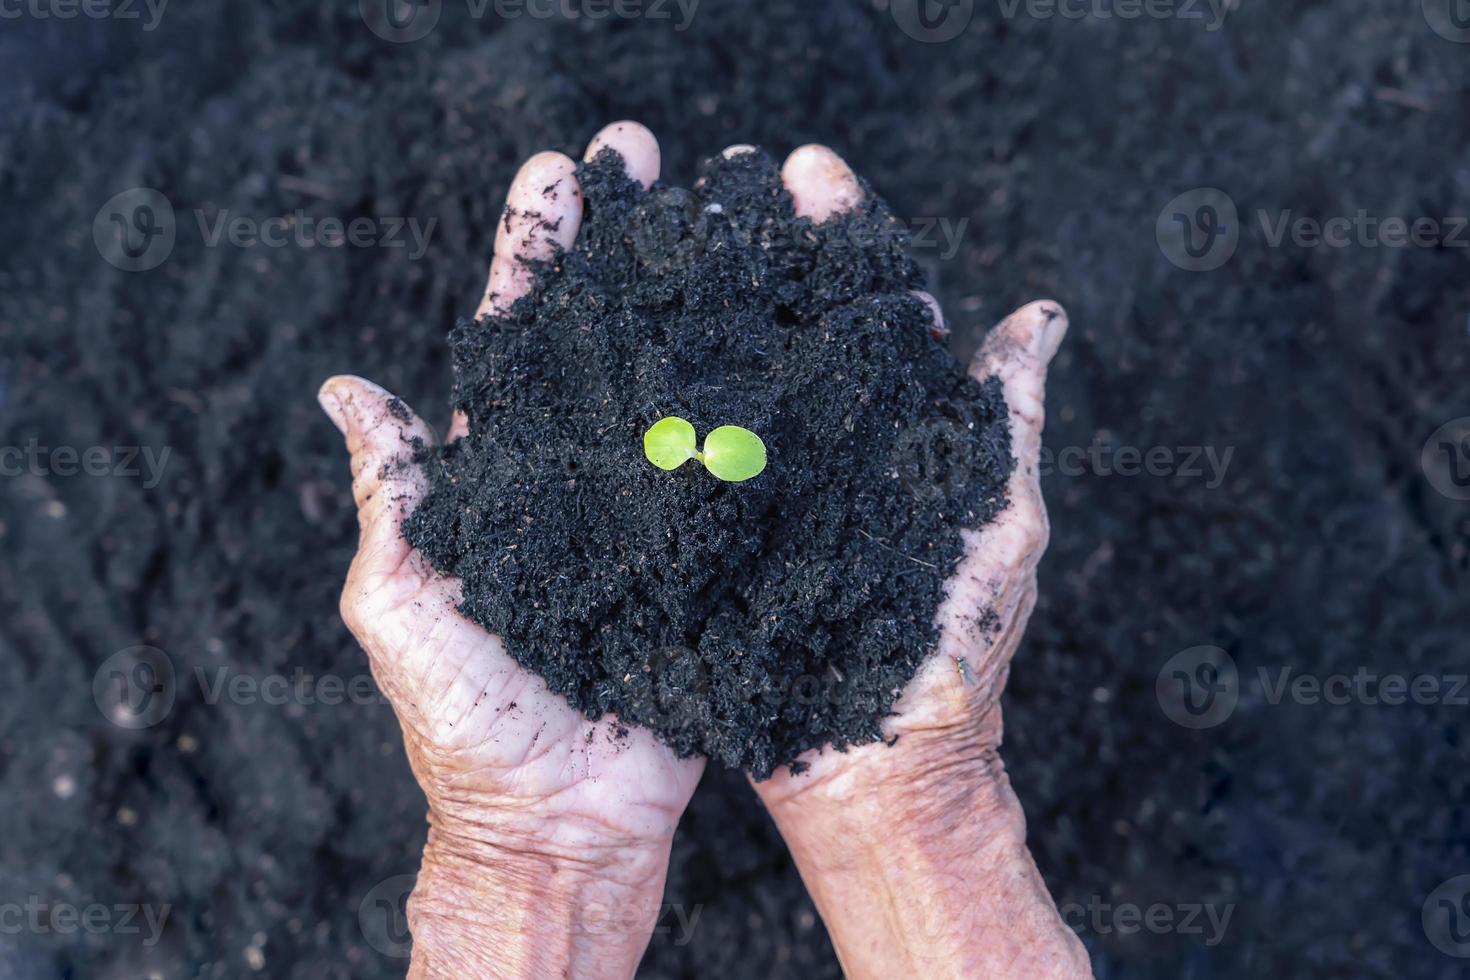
<point x="939" y="328"/>
<point x="1018" y="352"/>
<point x="459" y="427"/>
<point x="990" y="595"/>
<point x="821" y="183"/>
<point x="636" y="145"/>
<point x="543" y="212"/>
<point x="387" y="443"/>
<point x="728" y="153"/>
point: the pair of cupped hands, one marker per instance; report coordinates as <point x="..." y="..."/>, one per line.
<point x="549" y="838"/>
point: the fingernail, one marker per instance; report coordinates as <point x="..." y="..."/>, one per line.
<point x="821" y="183"/>
<point x="332" y="405"/>
<point x="1049" y="330"/>
<point x="938" y="326"/>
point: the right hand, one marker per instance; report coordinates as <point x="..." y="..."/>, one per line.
<point x="538" y="815"/>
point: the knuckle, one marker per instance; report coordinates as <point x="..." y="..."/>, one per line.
<point x="1035" y="527"/>
<point x="1025" y="534"/>
<point x="350" y="608"/>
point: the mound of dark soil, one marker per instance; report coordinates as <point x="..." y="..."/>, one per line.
<point x="747" y="621"/>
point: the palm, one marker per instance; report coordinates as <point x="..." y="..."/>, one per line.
<point x="483" y="731"/>
<point x="987" y="601"/>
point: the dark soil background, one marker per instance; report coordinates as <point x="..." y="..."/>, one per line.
<point x="265" y="826"/>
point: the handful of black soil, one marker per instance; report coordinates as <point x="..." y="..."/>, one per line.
<point x="748" y="621"/>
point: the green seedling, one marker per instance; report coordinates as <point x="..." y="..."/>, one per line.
<point x="670" y="443"/>
<point x="731" y="453"/>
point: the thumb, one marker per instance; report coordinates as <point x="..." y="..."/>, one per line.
<point x="1018" y="352"/>
<point x="389" y="445"/>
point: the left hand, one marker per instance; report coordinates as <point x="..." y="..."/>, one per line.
<point x="915" y="852"/>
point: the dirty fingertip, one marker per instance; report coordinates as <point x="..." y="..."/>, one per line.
<point x="543" y="211"/>
<point x="938" y="328"/>
<point x="546" y="187"/>
<point x="355" y="404"/>
<point x="342" y="397"/>
<point x="459" y="427"/>
<point x="636" y="144"/>
<point x="1041" y="327"/>
<point x="821" y="183"/>
<point x="331" y="403"/>
<point x="1037" y="328"/>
